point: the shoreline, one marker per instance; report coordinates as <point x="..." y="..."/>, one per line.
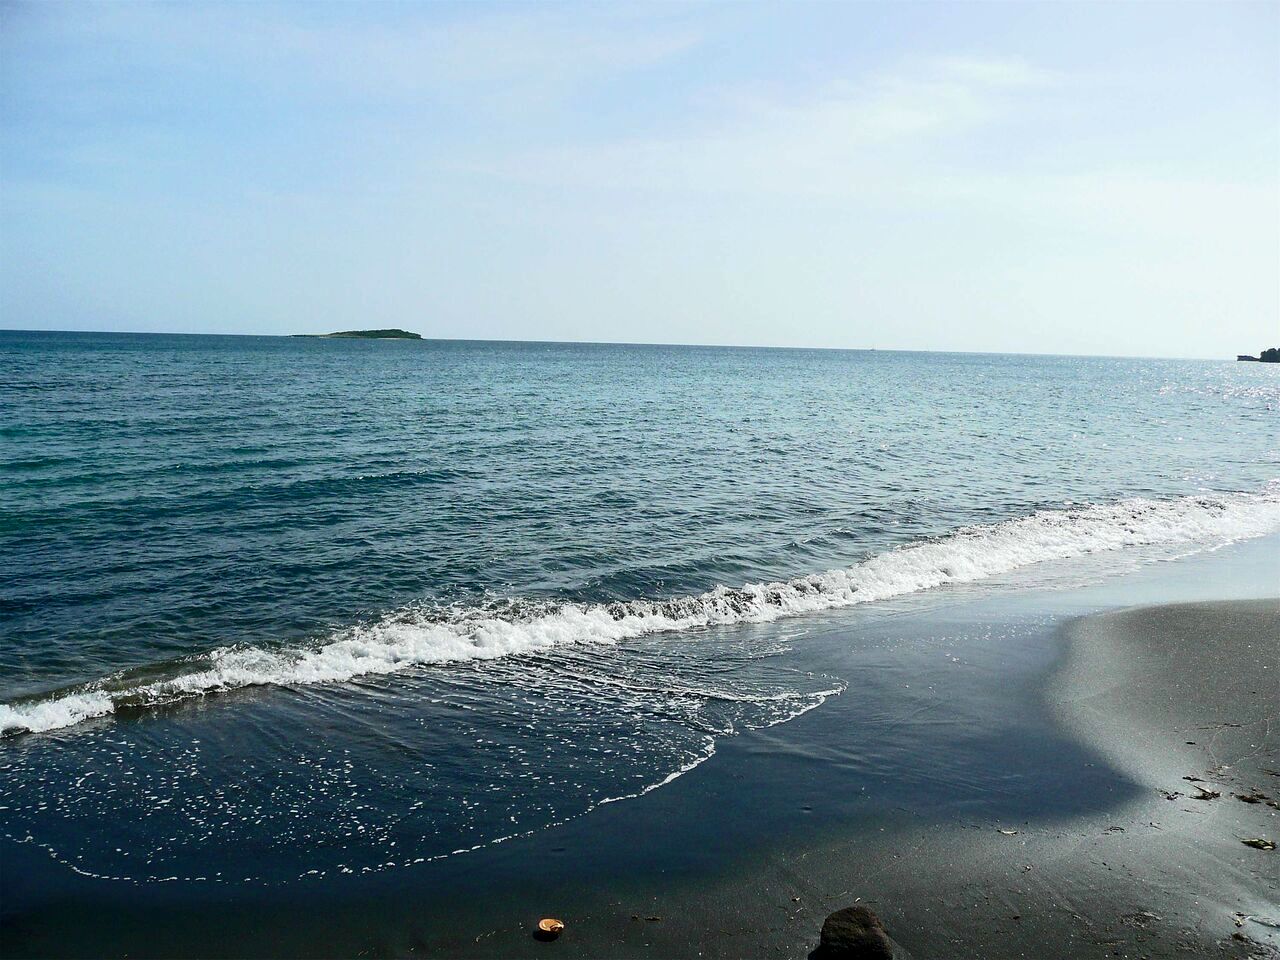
<point x="1145" y="876"/>
<point x="406" y="637"/>
<point x="966" y="714"/>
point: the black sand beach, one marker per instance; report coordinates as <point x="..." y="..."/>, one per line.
<point x="1008" y="775"/>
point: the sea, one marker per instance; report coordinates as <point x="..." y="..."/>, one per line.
<point x="274" y="609"/>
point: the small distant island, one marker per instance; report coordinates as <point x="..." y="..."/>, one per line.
<point x="1267" y="356"/>
<point x="363" y="335"/>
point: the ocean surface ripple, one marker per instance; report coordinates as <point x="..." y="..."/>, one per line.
<point x="273" y="609"/>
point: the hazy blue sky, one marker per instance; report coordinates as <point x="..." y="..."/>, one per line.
<point x="1079" y="178"/>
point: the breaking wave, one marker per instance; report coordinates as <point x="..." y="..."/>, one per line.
<point x="428" y="634"/>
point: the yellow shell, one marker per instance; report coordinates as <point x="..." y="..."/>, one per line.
<point x="551" y="925"/>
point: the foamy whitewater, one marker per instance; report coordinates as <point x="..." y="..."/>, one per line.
<point x="430" y="634"/>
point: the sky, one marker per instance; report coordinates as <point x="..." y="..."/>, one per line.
<point x="1090" y="178"/>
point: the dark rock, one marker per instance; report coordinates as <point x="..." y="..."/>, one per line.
<point x="854" y="933"/>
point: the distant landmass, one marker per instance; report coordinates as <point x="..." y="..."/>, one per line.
<point x="364" y="335"/>
<point x="1267" y="356"/>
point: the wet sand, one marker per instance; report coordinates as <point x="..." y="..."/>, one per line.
<point x="1181" y="700"/>
<point x="993" y="783"/>
<point x="1185" y="700"/>
<point x="1164" y="693"/>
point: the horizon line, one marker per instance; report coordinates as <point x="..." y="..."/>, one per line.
<point x="618" y="343"/>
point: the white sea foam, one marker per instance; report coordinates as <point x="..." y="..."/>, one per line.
<point x="60" y="711"/>
<point x="421" y="636"/>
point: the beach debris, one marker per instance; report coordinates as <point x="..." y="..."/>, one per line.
<point x="1171" y="794"/>
<point x="1114" y="830"/>
<point x="854" y="933"/>
<point x="1205" y="794"/>
<point x="1257" y="797"/>
<point x="1008" y="833"/>
<point x="1259" y="843"/>
<point x="549" y="928"/>
<point x="1195" y="779"/>
<point x="1239" y="920"/>
<point x="653" y="919"/>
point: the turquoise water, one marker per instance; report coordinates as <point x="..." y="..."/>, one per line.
<point x="435" y="594"/>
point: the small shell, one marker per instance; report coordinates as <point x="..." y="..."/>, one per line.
<point x="550" y="926"/>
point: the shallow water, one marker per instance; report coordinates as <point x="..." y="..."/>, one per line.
<point x="944" y="729"/>
<point x="276" y="609"/>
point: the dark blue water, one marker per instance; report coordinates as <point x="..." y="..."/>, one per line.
<point x="346" y="605"/>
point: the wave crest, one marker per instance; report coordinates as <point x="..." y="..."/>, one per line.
<point x="434" y="635"/>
